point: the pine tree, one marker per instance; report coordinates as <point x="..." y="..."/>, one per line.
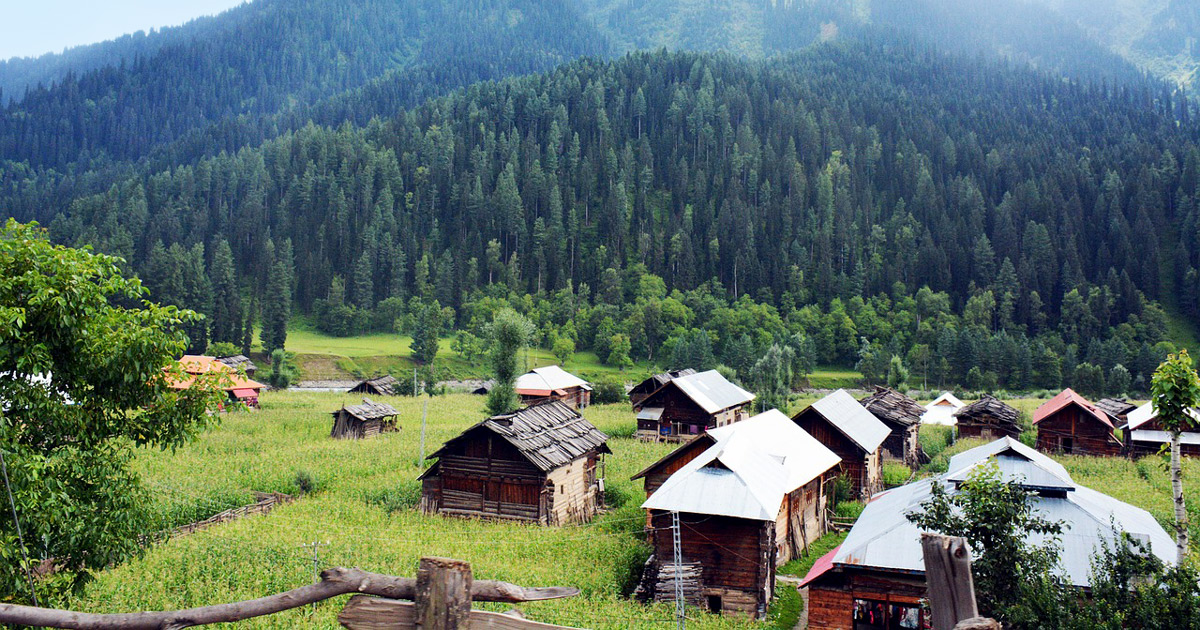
<point x="226" y="320"/>
<point x="277" y="303"/>
<point x="508" y="333"/>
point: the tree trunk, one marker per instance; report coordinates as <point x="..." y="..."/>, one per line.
<point x="1181" y="525"/>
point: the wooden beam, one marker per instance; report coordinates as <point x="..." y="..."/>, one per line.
<point x="374" y="613"/>
<point x="443" y="594"/>
<point x="948" y="579"/>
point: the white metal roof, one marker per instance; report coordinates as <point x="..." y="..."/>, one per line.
<point x="1162" y="437"/>
<point x="650" y="413"/>
<point x="941" y="410"/>
<point x="550" y="377"/>
<point x="712" y="391"/>
<point x="884" y="538"/>
<point x="1146" y="413"/>
<point x="748" y="472"/>
<point x="853" y="420"/>
<point x="1028" y="463"/>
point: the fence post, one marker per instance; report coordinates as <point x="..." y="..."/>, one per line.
<point x="948" y="579"/>
<point x="443" y="596"/>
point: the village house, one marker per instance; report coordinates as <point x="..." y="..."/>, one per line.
<point x="876" y="577"/>
<point x="537" y="464"/>
<point x="687" y="405"/>
<point x="239" y="388"/>
<point x="1145" y="436"/>
<point x="1069" y="423"/>
<point x="385" y="385"/>
<point x="941" y="410"/>
<point x="853" y="433"/>
<point x="1117" y="410"/>
<point x="752" y="500"/>
<point x="363" y="421"/>
<point x="553" y="383"/>
<point x="240" y="362"/>
<point x="902" y="416"/>
<point x="642" y="390"/>
<point x="988" y="418"/>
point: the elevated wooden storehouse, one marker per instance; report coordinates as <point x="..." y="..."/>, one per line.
<point x="549" y="383"/>
<point x="687" y="405"/>
<point x="876" y="578"/>
<point x="988" y="418"/>
<point x="239" y="388"/>
<point x="537" y="464"/>
<point x="853" y="433"/>
<point x="240" y="362"/>
<point x="1145" y="436"/>
<point x="941" y="410"/>
<point x="363" y="421"/>
<point x="642" y="390"/>
<point x="1069" y="423"/>
<point x="752" y="500"/>
<point x="385" y="385"/>
<point x="902" y="415"/>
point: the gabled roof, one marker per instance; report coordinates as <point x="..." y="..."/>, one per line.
<point x="990" y="408"/>
<point x="385" y="385"/>
<point x="947" y="399"/>
<point x="884" y="539"/>
<point x="547" y="379"/>
<point x="893" y="407"/>
<point x="195" y="365"/>
<point x="369" y="410"/>
<point x="747" y="473"/>
<point x="1066" y="398"/>
<point x="658" y="380"/>
<point x="941" y="410"/>
<point x="1146" y="413"/>
<point x="1017" y="462"/>
<point x="239" y="361"/>
<point x="852" y="420"/>
<point x="709" y="390"/>
<point x="1116" y="408"/>
<point x="549" y="434"/>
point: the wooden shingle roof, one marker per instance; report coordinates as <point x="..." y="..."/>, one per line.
<point x="1116" y="408"/>
<point x="369" y="410"/>
<point x="893" y="407"/>
<point x="990" y="410"/>
<point x="549" y="434"/>
<point x="386" y="385"/>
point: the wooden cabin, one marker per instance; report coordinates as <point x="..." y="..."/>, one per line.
<point x="549" y="383"/>
<point x="1117" y="410"/>
<point x="902" y="416"/>
<point x="1145" y="436"/>
<point x="239" y="388"/>
<point x="876" y="577"/>
<point x="536" y="464"/>
<point x="853" y="433"/>
<point x="385" y="385"/>
<point x="642" y="390"/>
<point x="752" y="500"/>
<point x="687" y="405"/>
<point x="240" y="362"/>
<point x="1069" y="423"/>
<point x="988" y="418"/>
<point x="363" y="421"/>
<point x="941" y="410"/>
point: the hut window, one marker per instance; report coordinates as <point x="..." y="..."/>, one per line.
<point x="714" y="603"/>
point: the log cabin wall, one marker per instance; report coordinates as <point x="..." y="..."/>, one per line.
<point x="831" y="598"/>
<point x="1074" y="431"/>
<point x="985" y="430"/>
<point x="487" y="477"/>
<point x="864" y="470"/>
<point x="681" y="416"/>
<point x="737" y="556"/>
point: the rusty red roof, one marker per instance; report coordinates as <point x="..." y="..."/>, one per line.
<point x="1069" y="397"/>
<point x="820" y="567"/>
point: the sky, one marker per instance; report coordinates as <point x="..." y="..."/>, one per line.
<point x="29" y="28"/>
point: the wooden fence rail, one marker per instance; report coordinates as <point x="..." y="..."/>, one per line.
<point x="950" y="585"/>
<point x="441" y="597"/>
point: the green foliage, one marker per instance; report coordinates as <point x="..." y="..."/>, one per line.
<point x="1175" y="390"/>
<point x="800" y="567"/>
<point x="283" y="369"/>
<point x="772" y="378"/>
<point x="277" y="301"/>
<point x="222" y="349"/>
<point x="897" y="374"/>
<point x="785" y="609"/>
<point x="934" y="438"/>
<point x="509" y="332"/>
<point x="618" y="353"/>
<point x="849" y="509"/>
<point x="609" y="390"/>
<point x="85" y="384"/>
<point x="896" y="474"/>
<point x="563" y="349"/>
<point x="429" y="322"/>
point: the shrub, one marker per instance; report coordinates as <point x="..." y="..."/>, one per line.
<point x="849" y="509"/>
<point x="934" y="439"/>
<point x="305" y="482"/>
<point x="609" y="390"/>
<point x="405" y="496"/>
<point x="895" y="474"/>
<point x="222" y="349"/>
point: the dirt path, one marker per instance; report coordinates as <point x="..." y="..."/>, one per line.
<point x="794" y="582"/>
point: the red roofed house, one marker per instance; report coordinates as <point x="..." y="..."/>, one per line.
<point x="239" y="388"/>
<point x="1069" y="423"/>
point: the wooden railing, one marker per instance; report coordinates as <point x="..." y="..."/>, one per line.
<point x="439" y="599"/>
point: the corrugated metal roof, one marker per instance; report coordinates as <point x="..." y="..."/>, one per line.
<point x="747" y="473"/>
<point x="884" y="538"/>
<point x="650" y="413"/>
<point x="853" y="420"/>
<point x="1162" y="437"/>
<point x="550" y="377"/>
<point x="941" y="410"/>
<point x="1146" y="413"/>
<point x="1069" y="397"/>
<point x="1039" y="469"/>
<point x="711" y="391"/>
<point x="549" y="434"/>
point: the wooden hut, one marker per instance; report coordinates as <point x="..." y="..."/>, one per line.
<point x="537" y="464"/>
<point x="385" y="385"/>
<point x="642" y="390"/>
<point x="876" y="577"/>
<point x="363" y="421"/>
<point x="1117" y="409"/>
<point x="687" y="405"/>
<point x="1145" y="436"/>
<point x="902" y="415"/>
<point x="752" y="500"/>
<point x="239" y="388"/>
<point x="988" y="418"/>
<point x="941" y="410"/>
<point x="240" y="362"/>
<point x="1069" y="423"/>
<point x="553" y="383"/>
<point x="853" y="433"/>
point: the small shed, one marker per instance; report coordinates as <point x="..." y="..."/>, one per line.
<point x="536" y="464"/>
<point x="988" y="418"/>
<point x="363" y="421"/>
<point x="876" y="577"/>
<point x="941" y="410"/>
<point x="1145" y="436"/>
<point x="385" y="385"/>
<point x="1069" y="423"/>
<point x="553" y="383"/>
<point x="853" y="434"/>
<point x="752" y="500"/>
<point x="686" y="406"/>
<point x="240" y="362"/>
<point x="642" y="390"/>
<point x="902" y="415"/>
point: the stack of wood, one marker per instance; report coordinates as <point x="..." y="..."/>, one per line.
<point x="989" y="419"/>
<point x="658" y="582"/>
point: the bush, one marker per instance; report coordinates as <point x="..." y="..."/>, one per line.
<point x="842" y="490"/>
<point x="934" y="439"/>
<point x="305" y="482"/>
<point x="849" y="509"/>
<point x="609" y="390"/>
<point x="405" y="496"/>
<point x="895" y="474"/>
<point x="222" y="349"/>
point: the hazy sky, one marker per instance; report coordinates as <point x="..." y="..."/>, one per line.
<point x="32" y="27"/>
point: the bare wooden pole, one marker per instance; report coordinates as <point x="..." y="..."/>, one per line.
<point x="948" y="579"/>
<point x="443" y="594"/>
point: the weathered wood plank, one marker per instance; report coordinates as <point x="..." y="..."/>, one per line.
<point x="443" y="594"/>
<point x="948" y="576"/>
<point x="373" y="613"/>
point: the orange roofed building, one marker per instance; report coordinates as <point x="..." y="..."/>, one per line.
<point x="1071" y="424"/>
<point x="239" y="388"/>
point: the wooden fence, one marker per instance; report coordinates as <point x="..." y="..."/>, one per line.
<point x="950" y="586"/>
<point x="439" y="599"/>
